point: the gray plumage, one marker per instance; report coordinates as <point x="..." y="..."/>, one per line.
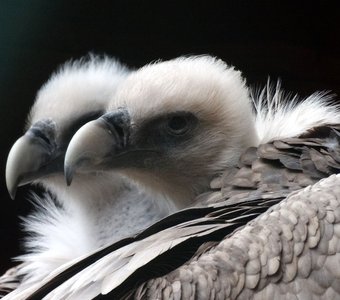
<point x="289" y="252"/>
<point x="278" y="168"/>
<point x="292" y="250"/>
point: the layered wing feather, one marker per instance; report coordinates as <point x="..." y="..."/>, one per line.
<point x="233" y="246"/>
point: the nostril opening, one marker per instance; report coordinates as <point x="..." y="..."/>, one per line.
<point x="118" y="123"/>
<point x="42" y="136"/>
<point x="43" y="131"/>
<point x="120" y="131"/>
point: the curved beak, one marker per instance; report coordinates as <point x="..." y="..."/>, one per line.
<point x="31" y="157"/>
<point x="89" y="148"/>
<point x="104" y="144"/>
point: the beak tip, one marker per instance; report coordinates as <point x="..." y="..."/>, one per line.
<point x="69" y="175"/>
<point x="12" y="189"/>
<point x="12" y="183"/>
<point x="12" y="193"/>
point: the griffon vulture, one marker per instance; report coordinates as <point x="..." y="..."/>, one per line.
<point x="256" y="223"/>
<point x="71" y="221"/>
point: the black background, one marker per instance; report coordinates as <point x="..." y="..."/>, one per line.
<point x="297" y="42"/>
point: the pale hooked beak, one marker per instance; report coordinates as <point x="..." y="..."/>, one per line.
<point x="104" y="144"/>
<point x="32" y="156"/>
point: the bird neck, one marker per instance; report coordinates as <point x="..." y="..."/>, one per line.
<point x="173" y="191"/>
<point x="103" y="203"/>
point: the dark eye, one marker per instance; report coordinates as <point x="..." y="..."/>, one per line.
<point x="178" y="125"/>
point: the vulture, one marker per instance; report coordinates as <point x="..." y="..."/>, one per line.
<point x="71" y="221"/>
<point x="252" y="188"/>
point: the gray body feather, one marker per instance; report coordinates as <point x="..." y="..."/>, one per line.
<point x="289" y="252"/>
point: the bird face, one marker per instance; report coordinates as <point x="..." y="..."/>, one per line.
<point x="171" y="126"/>
<point x="40" y="152"/>
<point x="75" y="95"/>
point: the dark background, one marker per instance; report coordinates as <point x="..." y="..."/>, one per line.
<point x="297" y="42"/>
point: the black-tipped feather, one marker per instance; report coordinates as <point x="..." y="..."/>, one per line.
<point x="266" y="176"/>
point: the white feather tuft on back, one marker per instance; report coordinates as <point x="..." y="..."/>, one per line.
<point x="280" y="115"/>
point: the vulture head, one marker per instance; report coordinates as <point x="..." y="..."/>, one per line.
<point x="74" y="95"/>
<point x="171" y="126"/>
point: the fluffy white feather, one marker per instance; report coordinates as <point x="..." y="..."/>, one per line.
<point x="279" y="114"/>
<point x="76" y="88"/>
